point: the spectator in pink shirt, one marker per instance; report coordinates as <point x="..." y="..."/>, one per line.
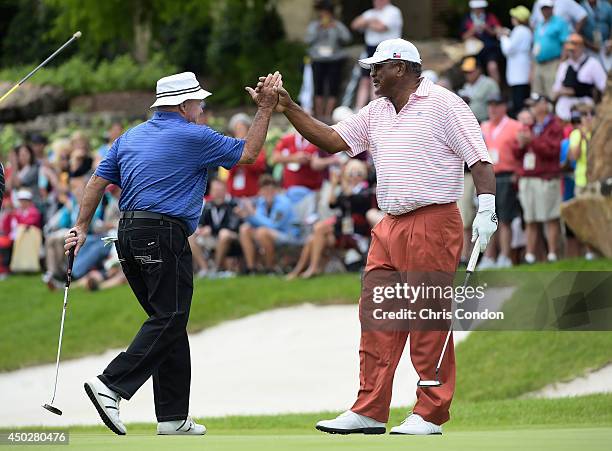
<point x="499" y="133"/>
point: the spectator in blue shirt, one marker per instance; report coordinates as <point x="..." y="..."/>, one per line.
<point x="597" y="29"/>
<point x="161" y="166"/>
<point x="548" y="40"/>
<point x="267" y="224"/>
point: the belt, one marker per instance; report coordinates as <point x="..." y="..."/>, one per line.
<point x="155" y="216"/>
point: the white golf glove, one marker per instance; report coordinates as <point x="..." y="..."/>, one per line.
<point x="485" y="222"/>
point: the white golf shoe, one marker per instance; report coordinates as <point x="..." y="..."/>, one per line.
<point x="180" y="427"/>
<point x="351" y="423"/>
<point x="106" y="402"/>
<point x="416" y="425"/>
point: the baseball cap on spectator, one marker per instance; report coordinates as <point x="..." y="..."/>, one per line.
<point x="520" y="13"/>
<point x="547" y="4"/>
<point x="38" y="139"/>
<point x="575" y="117"/>
<point x="470" y="64"/>
<point x="176" y="89"/>
<point x="24" y="194"/>
<point x="478" y="4"/>
<point x="392" y="49"/>
<point x="535" y="98"/>
<point x="496" y="99"/>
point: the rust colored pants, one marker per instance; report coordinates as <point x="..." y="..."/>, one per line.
<point x="427" y="239"/>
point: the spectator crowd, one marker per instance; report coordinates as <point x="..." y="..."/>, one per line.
<point x="300" y="211"/>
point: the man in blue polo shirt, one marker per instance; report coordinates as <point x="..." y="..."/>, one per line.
<point x="161" y="166"/>
<point x="548" y="39"/>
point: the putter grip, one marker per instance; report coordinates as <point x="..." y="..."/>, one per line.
<point x="474" y="257"/>
<point x="70" y="263"/>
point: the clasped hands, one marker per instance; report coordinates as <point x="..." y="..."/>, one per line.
<point x="269" y="93"/>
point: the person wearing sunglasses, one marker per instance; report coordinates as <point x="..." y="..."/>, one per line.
<point x="580" y="78"/>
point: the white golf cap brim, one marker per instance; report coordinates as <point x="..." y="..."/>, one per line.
<point x="178" y="88"/>
<point x="477" y="4"/>
<point x="392" y="49"/>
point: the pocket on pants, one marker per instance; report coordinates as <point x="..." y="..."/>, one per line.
<point x="147" y="253"/>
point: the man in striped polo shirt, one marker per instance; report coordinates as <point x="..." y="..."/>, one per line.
<point x="420" y="135"/>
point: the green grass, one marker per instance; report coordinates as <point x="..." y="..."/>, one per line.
<point x="531" y="440"/>
<point x="531" y="424"/>
<point x="101" y="320"/>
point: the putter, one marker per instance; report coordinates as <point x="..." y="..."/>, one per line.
<point x="50" y="406"/>
<point x="74" y="37"/>
<point x="468" y="272"/>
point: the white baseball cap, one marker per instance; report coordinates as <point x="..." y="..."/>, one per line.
<point x="24" y="194"/>
<point x="175" y="89"/>
<point x="476" y="4"/>
<point x="392" y="49"/>
<point x="547" y="3"/>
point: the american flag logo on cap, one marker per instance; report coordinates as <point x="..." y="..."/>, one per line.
<point x="397" y="55"/>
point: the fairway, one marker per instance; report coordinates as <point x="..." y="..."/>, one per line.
<point x="522" y="439"/>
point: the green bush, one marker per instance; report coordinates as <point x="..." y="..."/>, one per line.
<point x="78" y="76"/>
<point x="248" y="40"/>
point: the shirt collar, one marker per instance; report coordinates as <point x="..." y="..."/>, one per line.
<point x="424" y="87"/>
<point x="168" y="115"/>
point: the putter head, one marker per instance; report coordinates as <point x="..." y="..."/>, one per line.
<point x="430" y="383"/>
<point x="52" y="409"/>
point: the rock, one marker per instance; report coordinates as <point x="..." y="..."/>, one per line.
<point x="30" y="101"/>
<point x="600" y="147"/>
<point x="590" y="218"/>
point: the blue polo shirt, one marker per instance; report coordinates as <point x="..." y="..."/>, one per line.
<point x="548" y="39"/>
<point x="162" y="164"/>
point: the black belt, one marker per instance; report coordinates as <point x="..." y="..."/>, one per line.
<point x="156" y="216"/>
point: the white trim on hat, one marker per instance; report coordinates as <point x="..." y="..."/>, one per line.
<point x="392" y="49"/>
<point x="176" y="89"/>
<point x="477" y="4"/>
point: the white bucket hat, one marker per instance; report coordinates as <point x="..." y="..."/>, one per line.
<point x="392" y="49"/>
<point x="175" y="89"/>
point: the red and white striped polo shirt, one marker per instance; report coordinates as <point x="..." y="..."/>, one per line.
<point x="419" y="152"/>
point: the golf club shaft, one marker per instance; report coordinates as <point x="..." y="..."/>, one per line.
<point x="59" y="344"/>
<point x="65" y="306"/>
<point x="74" y="37"/>
<point x="468" y="272"/>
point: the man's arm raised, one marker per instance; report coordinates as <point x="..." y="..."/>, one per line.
<point x="315" y="131"/>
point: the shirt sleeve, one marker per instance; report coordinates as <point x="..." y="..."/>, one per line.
<point x="108" y="168"/>
<point x="577" y="11"/>
<point x="463" y="135"/>
<point x="392" y="17"/>
<point x="219" y="150"/>
<point x="355" y="131"/>
<point x="560" y="76"/>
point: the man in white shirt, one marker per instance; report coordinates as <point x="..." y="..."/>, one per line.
<point x="378" y="24"/>
<point x="516" y="46"/>
<point x="579" y="78"/>
<point x="572" y="12"/>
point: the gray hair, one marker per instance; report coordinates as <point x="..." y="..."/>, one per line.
<point x="239" y="118"/>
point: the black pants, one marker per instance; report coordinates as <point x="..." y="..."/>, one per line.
<point x="156" y="259"/>
<point x="519" y="94"/>
<point x="327" y="76"/>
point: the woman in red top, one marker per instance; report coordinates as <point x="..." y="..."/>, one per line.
<point x="243" y="180"/>
<point x="295" y="154"/>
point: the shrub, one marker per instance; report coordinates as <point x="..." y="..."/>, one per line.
<point x="78" y="76"/>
